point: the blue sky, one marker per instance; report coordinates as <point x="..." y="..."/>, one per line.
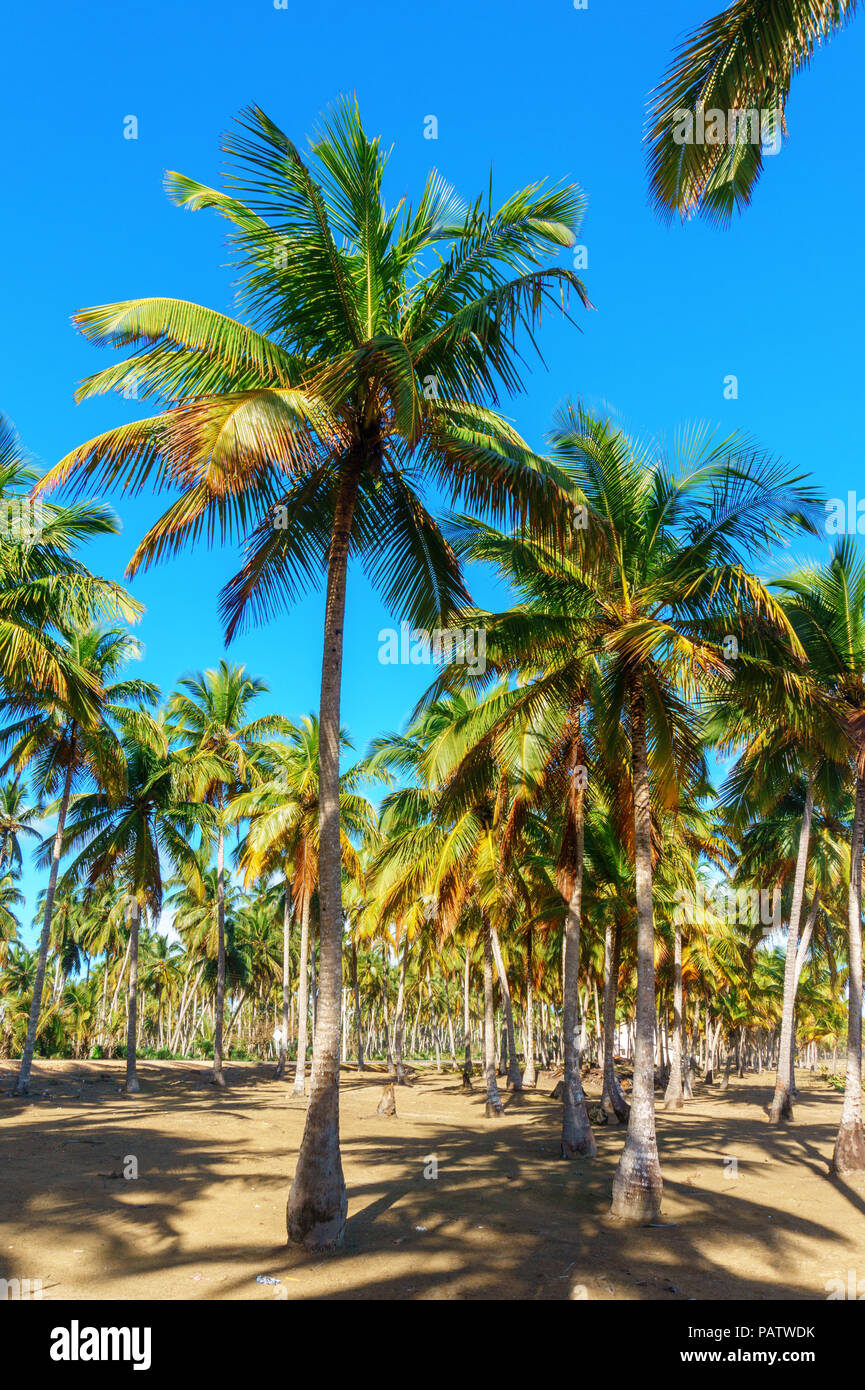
<point x="541" y="91"/>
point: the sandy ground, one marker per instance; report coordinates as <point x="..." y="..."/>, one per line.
<point x="505" y="1218"/>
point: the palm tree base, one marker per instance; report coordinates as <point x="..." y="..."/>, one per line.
<point x="133" y="1086"/>
<point x="493" y="1109"/>
<point x="637" y="1185"/>
<point x="317" y="1200"/>
<point x="578" y="1141"/>
<point x="217" y="1078"/>
<point x="781" y="1107"/>
<point x="849" y="1155"/>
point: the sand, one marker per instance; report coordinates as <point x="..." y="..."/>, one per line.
<point x="749" y="1211"/>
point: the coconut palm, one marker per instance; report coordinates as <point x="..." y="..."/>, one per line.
<point x="382" y="338"/>
<point x="65" y="743"/>
<point x="828" y="606"/>
<point x="739" y="61"/>
<point x="130" y="834"/>
<point x="662" y="552"/>
<point x="44" y="589"/>
<point x="283" y="814"/>
<point x="16" y="820"/>
<point x="209" y="716"/>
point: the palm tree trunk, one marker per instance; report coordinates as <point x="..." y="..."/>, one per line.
<point x="849" y="1155"/>
<point x="317" y="1202"/>
<point x="446" y="981"/>
<point x="515" y="1079"/>
<point x="467" y="1035"/>
<point x="493" y="1104"/>
<point x="23" y="1085"/>
<point x="674" y="1096"/>
<point x="530" y="1076"/>
<point x="132" y="1084"/>
<point x="218" y="1076"/>
<point x="638" y="1185"/>
<point x="286" y="979"/>
<point x="612" y="1097"/>
<point x="781" y="1107"/>
<point x="399" y="1020"/>
<point x="357" y="1021"/>
<point x="578" y="1140"/>
<point x="302" y="998"/>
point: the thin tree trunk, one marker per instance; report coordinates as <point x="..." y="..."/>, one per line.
<point x="530" y="1077"/>
<point x="450" y="1022"/>
<point x="317" y="1202"/>
<point x="132" y="1084"/>
<point x="513" y="1067"/>
<point x="23" y="1085"/>
<point x="399" y="1021"/>
<point x="849" y="1155"/>
<point x="357" y="1022"/>
<point x="612" y="1097"/>
<point x="302" y="998"/>
<point x="493" y="1104"/>
<point x="638" y="1185"/>
<point x="578" y="1141"/>
<point x="218" y="1076"/>
<point x="781" y="1107"/>
<point x="467" y="1034"/>
<point x="286" y="980"/>
<point x="674" y="1097"/>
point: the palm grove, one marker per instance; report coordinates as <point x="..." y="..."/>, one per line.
<point x="532" y="874"/>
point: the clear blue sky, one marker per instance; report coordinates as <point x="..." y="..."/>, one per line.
<point x="538" y="91"/>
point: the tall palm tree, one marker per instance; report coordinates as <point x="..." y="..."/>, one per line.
<point x="743" y="59"/>
<point x="65" y="743"/>
<point x="209" y="716"/>
<point x="130" y="835"/>
<point x="828" y="604"/>
<point x="283" y="814"/>
<point x="662" y="564"/>
<point x="44" y="589"/>
<point x="383" y="336"/>
<point x="16" y="819"/>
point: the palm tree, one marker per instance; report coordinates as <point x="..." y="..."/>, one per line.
<point x="65" y="743"/>
<point x="379" y="333"/>
<point x="739" y="61"/>
<point x="662" y="566"/>
<point x="208" y="713"/>
<point x="283" y="814"/>
<point x="130" y="834"/>
<point x="44" y="589"/>
<point x="16" y="819"/>
<point x="829" y="607"/>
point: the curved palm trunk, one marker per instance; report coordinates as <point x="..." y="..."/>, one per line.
<point x="612" y="1097"/>
<point x="638" y="1185"/>
<point x="578" y="1140"/>
<point x="494" y="1104"/>
<point x="286" y="981"/>
<point x="849" y="1155"/>
<point x="218" y="1076"/>
<point x="132" y="1083"/>
<point x="781" y="1107"/>
<point x="356" y="988"/>
<point x="674" y="1095"/>
<point x="302" y="999"/>
<point x="530" y="1077"/>
<point x="512" y="1069"/>
<point x="22" y="1087"/>
<point x="317" y="1201"/>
